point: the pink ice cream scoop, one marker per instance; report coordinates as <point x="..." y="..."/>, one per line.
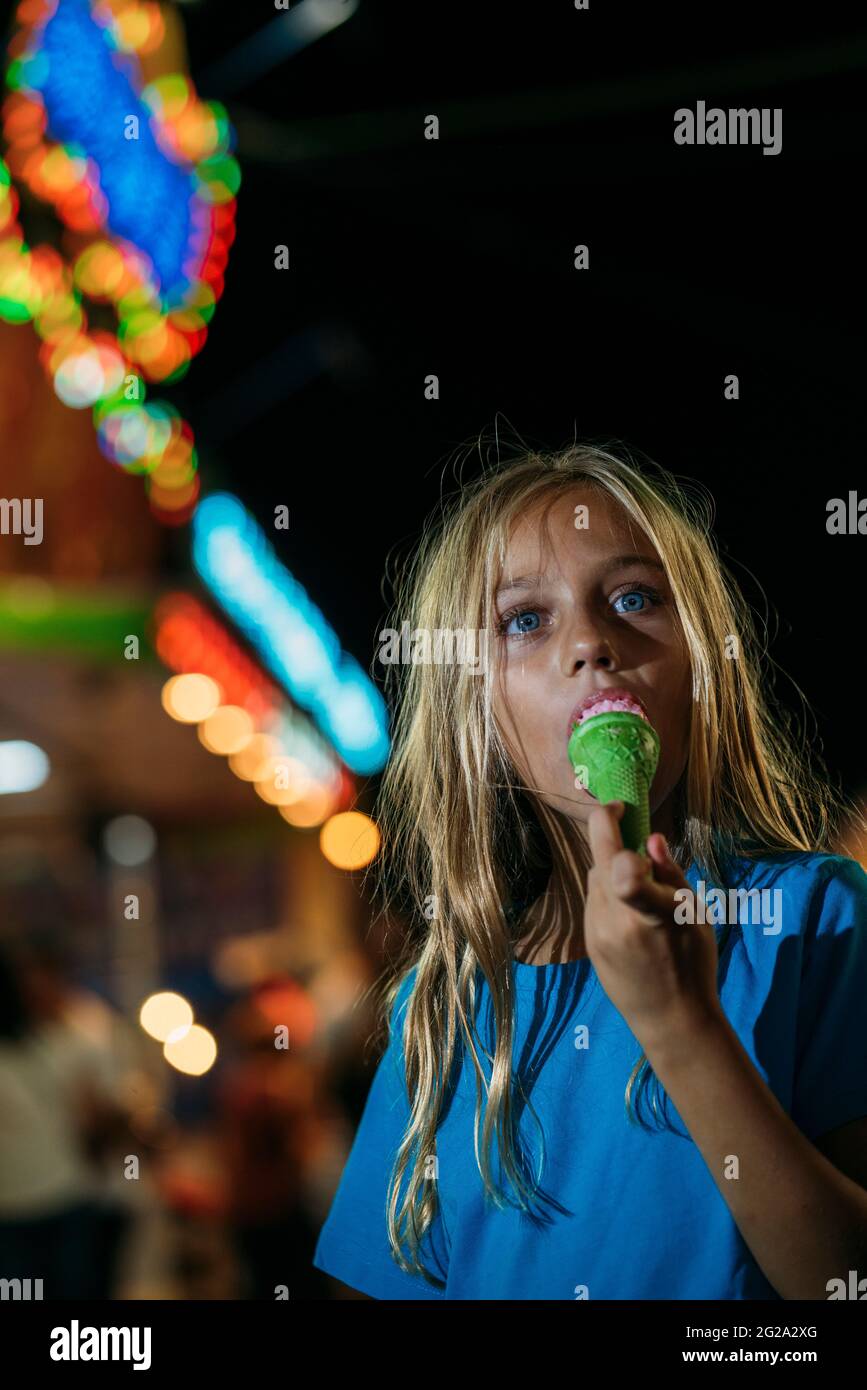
<point x="625" y="704"/>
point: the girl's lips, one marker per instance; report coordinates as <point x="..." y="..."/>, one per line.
<point x="627" y="699"/>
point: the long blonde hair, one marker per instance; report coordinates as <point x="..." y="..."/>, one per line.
<point x="458" y="830"/>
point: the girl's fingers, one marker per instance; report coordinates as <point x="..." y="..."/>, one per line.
<point x="631" y="881"/>
<point x="603" y="825"/>
<point x="665" y="869"/>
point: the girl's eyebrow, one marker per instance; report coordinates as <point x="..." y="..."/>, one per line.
<point x="522" y="581"/>
<point x="529" y="581"/>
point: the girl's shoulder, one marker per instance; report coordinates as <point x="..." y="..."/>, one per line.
<point x="795" y="925"/>
<point x="820" y="965"/>
<point x="793" y="979"/>
<point x="807" y="882"/>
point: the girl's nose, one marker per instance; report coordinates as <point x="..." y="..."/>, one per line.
<point x="591" y="651"/>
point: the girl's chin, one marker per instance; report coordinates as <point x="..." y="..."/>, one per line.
<point x="571" y="802"/>
<point x="578" y="805"/>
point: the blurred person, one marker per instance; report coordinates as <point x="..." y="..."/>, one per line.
<point x="275" y="1126"/>
<point x="48" y="1220"/>
<point x="120" y="1121"/>
<point x="61" y="1216"/>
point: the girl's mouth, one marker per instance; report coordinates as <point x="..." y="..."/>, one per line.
<point x="606" y="700"/>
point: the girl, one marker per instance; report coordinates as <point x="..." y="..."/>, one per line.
<point x="596" y="1084"/>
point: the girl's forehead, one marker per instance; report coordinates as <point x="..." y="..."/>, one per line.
<point x="581" y="526"/>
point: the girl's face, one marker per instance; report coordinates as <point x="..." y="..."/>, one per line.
<point x="579" y="610"/>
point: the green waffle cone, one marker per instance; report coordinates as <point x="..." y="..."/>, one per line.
<point x="619" y="752"/>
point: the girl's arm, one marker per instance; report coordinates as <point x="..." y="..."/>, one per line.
<point x="803" y="1219"/>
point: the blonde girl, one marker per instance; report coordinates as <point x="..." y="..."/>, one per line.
<point x="608" y="1075"/>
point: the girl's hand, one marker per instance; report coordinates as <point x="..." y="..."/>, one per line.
<point x="658" y="973"/>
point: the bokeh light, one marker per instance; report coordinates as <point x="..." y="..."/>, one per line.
<point x="285" y="780"/>
<point x="236" y="560"/>
<point x="287" y="1003"/>
<point x="310" y="809"/>
<point x="153" y="223"/>
<point x="129" y="840"/>
<point x="23" y="767"/>
<point x="349" y="840"/>
<point x="166" y="1015"/>
<point x="194" y="1053"/>
<point x="227" y="730"/>
<point x="253" y="762"/>
<point x="190" y="698"/>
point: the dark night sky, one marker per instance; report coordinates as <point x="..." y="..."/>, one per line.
<point x="455" y="257"/>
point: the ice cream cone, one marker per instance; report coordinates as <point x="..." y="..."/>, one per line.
<point x="616" y="753"/>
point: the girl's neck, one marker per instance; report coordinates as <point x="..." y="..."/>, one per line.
<point x="552" y="930"/>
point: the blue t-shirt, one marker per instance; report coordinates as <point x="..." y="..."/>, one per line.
<point x="623" y="1213"/>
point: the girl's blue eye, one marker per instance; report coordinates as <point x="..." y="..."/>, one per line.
<point x="630" y="601"/>
<point x="526" y="622"/>
<point x="638" y="591"/>
<point x="524" y="619"/>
